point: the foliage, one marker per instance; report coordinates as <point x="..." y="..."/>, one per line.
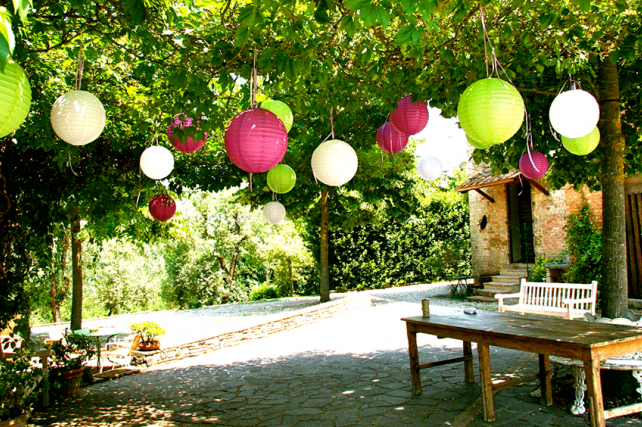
<point x="538" y="272"/>
<point x="264" y="291"/>
<point x="584" y="242"/>
<point x="71" y="352"/>
<point x="428" y="246"/>
<point x="149" y="331"/>
<point x="19" y="379"/>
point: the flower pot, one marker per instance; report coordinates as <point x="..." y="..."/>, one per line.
<point x="20" y="421"/>
<point x="149" y="346"/>
<point x="72" y="382"/>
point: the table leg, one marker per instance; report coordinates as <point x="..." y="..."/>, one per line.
<point x="413" y="354"/>
<point x="486" y="382"/>
<point x="594" y="386"/>
<point x="545" y="379"/>
<point x="469" y="374"/>
<point x="45" y="373"/>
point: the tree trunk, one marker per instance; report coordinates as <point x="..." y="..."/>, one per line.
<point x="290" y="276"/>
<point x="613" y="288"/>
<point x="324" y="262"/>
<point x="55" y="296"/>
<point x="76" y="257"/>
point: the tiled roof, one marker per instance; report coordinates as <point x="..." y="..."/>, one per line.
<point x="486" y="179"/>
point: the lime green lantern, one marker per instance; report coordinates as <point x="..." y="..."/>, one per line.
<point x="15" y="98"/>
<point x="282" y="111"/>
<point x="584" y="144"/>
<point x="476" y="144"/>
<point x="281" y="178"/>
<point x="491" y="111"/>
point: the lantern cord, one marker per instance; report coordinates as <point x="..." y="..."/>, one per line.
<point x="70" y="165"/>
<point x="332" y="121"/>
<point x="254" y="81"/>
<point x="140" y="188"/>
<point x="481" y="8"/>
<point x="251" y="181"/>
<point x="80" y="66"/>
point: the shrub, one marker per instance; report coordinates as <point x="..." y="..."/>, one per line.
<point x="264" y="291"/>
<point x="584" y="242"/>
<point x="538" y="273"/>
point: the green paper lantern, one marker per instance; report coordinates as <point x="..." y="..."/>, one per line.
<point x="282" y="111"/>
<point x="476" y="144"/>
<point x="281" y="178"/>
<point x="584" y="144"/>
<point x="491" y="111"/>
<point x="15" y="98"/>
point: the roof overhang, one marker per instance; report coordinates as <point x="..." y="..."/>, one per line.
<point x="485" y="179"/>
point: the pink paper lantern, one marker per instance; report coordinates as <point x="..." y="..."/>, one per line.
<point x="256" y="140"/>
<point x="409" y="118"/>
<point x="162" y="207"/>
<point x="536" y="168"/>
<point x="190" y="145"/>
<point x="390" y="140"/>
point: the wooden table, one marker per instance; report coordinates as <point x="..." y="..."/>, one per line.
<point x="98" y="334"/>
<point x="546" y="336"/>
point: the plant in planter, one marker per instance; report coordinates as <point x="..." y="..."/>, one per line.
<point x="69" y="356"/>
<point x="149" y="333"/>
<point x="19" y="380"/>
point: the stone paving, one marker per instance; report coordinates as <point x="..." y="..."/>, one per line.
<point x="351" y="370"/>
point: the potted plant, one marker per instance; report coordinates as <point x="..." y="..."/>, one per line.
<point x="19" y="380"/>
<point x="68" y="359"/>
<point x="149" y="333"/>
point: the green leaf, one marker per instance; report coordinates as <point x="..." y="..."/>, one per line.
<point x="349" y="25"/>
<point x="7" y="31"/>
<point x="248" y="15"/>
<point x="405" y="35"/>
<point x="426" y="8"/>
<point x="21" y="7"/>
<point x="135" y="10"/>
<point x="242" y="36"/>
<point x="355" y="5"/>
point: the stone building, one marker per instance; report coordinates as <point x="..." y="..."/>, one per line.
<point x="514" y="220"/>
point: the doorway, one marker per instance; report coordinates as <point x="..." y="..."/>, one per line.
<point x="520" y="220"/>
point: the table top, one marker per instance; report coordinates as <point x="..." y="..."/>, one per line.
<point x="542" y="329"/>
<point x="100" y="332"/>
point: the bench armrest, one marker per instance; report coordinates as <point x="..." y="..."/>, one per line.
<point x="501" y="297"/>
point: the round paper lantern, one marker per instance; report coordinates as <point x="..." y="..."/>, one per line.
<point x="256" y="140"/>
<point x="491" y="111"/>
<point x="156" y="162"/>
<point x="409" y="118"/>
<point x="162" y="207"/>
<point x="477" y="144"/>
<point x="281" y="178"/>
<point x="574" y="113"/>
<point x="429" y="167"/>
<point x="534" y="166"/>
<point x="274" y="213"/>
<point x="15" y="98"/>
<point x="391" y="140"/>
<point x="78" y="117"/>
<point x="584" y="144"/>
<point x="282" y="111"/>
<point x="334" y="162"/>
<point x="190" y="145"/>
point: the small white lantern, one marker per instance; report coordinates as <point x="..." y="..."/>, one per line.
<point x="429" y="167"/>
<point x="274" y="213"/>
<point x="156" y="162"/>
<point x="574" y="113"/>
<point x="78" y="117"/>
<point x="334" y="162"/>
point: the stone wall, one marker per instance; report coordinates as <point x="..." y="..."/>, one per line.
<point x="266" y="327"/>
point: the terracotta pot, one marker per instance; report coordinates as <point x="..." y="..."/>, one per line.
<point x="72" y="383"/>
<point x="149" y="346"/>
<point x="20" y="421"/>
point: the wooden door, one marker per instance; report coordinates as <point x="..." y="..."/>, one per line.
<point x="520" y="216"/>
<point x="634" y="243"/>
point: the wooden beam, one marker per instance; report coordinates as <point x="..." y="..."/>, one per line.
<point x="489" y="184"/>
<point x="536" y="185"/>
<point x="485" y="196"/>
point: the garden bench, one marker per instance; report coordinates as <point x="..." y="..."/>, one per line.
<point x="569" y="300"/>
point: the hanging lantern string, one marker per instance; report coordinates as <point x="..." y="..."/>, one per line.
<point x="254" y="82"/>
<point x="332" y="121"/>
<point x="481" y="8"/>
<point x="496" y="66"/>
<point x="70" y="165"/>
<point x="80" y="66"/>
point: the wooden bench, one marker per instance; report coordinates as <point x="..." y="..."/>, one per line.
<point x="569" y="300"/>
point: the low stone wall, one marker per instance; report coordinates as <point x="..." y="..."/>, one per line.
<point x="266" y="327"/>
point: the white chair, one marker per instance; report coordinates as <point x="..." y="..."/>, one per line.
<point x="120" y="352"/>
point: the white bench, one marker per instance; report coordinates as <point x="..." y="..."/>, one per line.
<point x="569" y="300"/>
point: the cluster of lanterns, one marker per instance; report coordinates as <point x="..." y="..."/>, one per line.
<point x="491" y="111"/>
<point x="409" y="118"/>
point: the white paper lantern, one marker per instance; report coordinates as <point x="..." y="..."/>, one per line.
<point x="274" y="213"/>
<point x="574" y="113"/>
<point x="429" y="167"/>
<point x="334" y="162"/>
<point x="78" y="117"/>
<point x="156" y="162"/>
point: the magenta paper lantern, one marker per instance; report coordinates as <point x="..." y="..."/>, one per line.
<point x="535" y="166"/>
<point x="190" y="145"/>
<point x="391" y="140"/>
<point x="256" y="140"/>
<point x="162" y="207"/>
<point x="409" y="118"/>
